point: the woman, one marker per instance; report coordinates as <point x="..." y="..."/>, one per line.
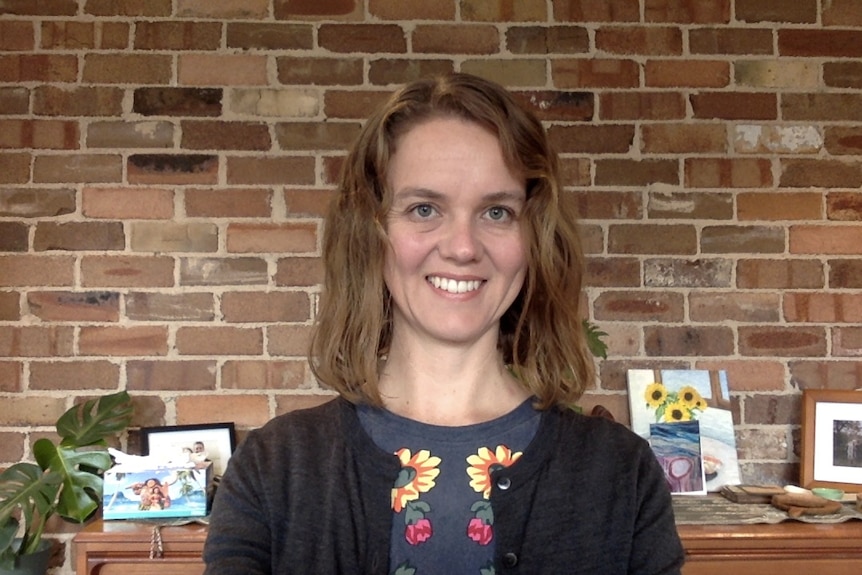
<point x="449" y="326"/>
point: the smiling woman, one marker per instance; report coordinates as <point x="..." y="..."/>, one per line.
<point x="449" y="325"/>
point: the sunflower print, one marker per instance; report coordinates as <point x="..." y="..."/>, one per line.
<point x="655" y="395"/>
<point x="677" y="411"/>
<point x="484" y="462"/>
<point x="417" y="475"/>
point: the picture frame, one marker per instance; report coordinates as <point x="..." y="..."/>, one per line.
<point x="831" y="439"/>
<point x="213" y="442"/>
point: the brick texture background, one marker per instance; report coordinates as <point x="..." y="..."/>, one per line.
<point x="164" y="165"/>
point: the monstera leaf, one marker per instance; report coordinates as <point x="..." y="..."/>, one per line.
<point x="89" y="423"/>
<point x="82" y="490"/>
<point x="27" y="487"/>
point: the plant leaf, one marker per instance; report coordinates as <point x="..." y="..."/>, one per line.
<point x="594" y="339"/>
<point x="90" y="422"/>
<point x="82" y="489"/>
<point x="25" y="486"/>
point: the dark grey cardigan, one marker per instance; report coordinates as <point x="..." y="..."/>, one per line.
<point x="309" y="493"/>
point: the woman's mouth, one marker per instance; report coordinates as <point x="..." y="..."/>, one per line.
<point x="454" y="286"/>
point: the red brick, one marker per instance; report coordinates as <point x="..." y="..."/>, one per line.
<point x="600" y="205"/>
<point x="187" y="306"/>
<point x="558" y="105"/>
<point x="229" y="203"/>
<point x="803" y="173"/>
<point x="782" y="341"/>
<point x="660" y="41"/>
<point x="305" y="202"/>
<point x="735" y="105"/>
<point x="123" y="341"/>
<point x="258" y="375"/>
<point x="177" y="101"/>
<point x="779" y="274"/>
<point x="41" y="270"/>
<point x="10" y="308"/>
<point x="242" y="410"/>
<point x="820" y="43"/>
<point x="354" y="105"/>
<point x="113" y="68"/>
<point x="797" y="12"/>
<point x="14" y="168"/>
<point x="177" y="35"/>
<point x="514" y="73"/>
<point x="370" y="38"/>
<point x="455" y="39"/>
<point x="742" y="239"/>
<point x="45" y="134"/>
<point x="522" y="11"/>
<point x="266" y="238"/>
<point x="270" y="36"/>
<point x="220" y="70"/>
<point x="779" y="206"/>
<point x="173" y="237"/>
<point x="14" y="237"/>
<point x="74" y="306"/>
<point x="31" y="410"/>
<point x="688" y="341"/>
<point x="847" y="341"/>
<point x="826" y="374"/>
<point x="703" y="272"/>
<point x="319" y="71"/>
<point x="570" y="73"/>
<point x="642" y="106"/>
<point x="223" y="271"/>
<point x="844" y="206"/>
<point x="612" y="272"/>
<point x="269" y="307"/>
<point x="663" y="239"/>
<point x="741" y="41"/>
<point x="172" y="169"/>
<point x="596" y="10"/>
<point x="11" y="377"/>
<point x="636" y="172"/>
<point x="843" y="140"/>
<point x="36" y="202"/>
<point x="842" y="13"/>
<point x="382" y="72"/>
<point x="128" y="7"/>
<point x="219" y="341"/>
<point x="316" y="135"/>
<point x="821" y="107"/>
<point x="14" y="100"/>
<point x="212" y="135"/>
<point x="681" y="205"/>
<point x="687" y="73"/>
<point x="181" y="376"/>
<point x="127" y="203"/>
<point x="127" y="271"/>
<point x="83" y="168"/>
<point x="592" y="139"/>
<point x="130" y="135"/>
<point x="745" y="307"/>
<point x="727" y="173"/>
<point x="272" y="170"/>
<point x="78" y="101"/>
<point x="21" y="68"/>
<point x="411" y="10"/>
<point x="289" y="340"/>
<point x="687" y="11"/>
<point x="17" y="35"/>
<point x="239" y="9"/>
<point x="36" y="8"/>
<point x="823" y="307"/>
<point x="36" y="341"/>
<point x="845" y="273"/>
<point x="749" y="374"/>
<point x="639" y="306"/>
<point x="547" y="40"/>
<point x="678" y="138"/>
<point x="299" y="271"/>
<point x="286" y="9"/>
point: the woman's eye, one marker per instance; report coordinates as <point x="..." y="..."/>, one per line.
<point x="423" y="210"/>
<point x="499" y="213"/>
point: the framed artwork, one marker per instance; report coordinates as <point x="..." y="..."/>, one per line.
<point x="832" y="439"/>
<point x="208" y="442"/>
<point x="677" y="396"/>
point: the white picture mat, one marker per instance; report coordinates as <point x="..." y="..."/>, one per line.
<point x="217" y="442"/>
<point x="825" y="415"/>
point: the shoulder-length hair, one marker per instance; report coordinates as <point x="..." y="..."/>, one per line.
<point x="541" y="336"/>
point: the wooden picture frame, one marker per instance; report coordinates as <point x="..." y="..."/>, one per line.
<point x="214" y="441"/>
<point x="832" y="439"/>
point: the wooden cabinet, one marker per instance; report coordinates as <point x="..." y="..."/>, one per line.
<point x="790" y="548"/>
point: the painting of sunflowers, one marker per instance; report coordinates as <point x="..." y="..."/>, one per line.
<point x="663" y="397"/>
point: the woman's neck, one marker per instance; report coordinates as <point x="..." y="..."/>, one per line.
<point x="448" y="385"/>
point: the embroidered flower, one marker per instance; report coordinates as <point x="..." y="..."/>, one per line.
<point x="417" y="476"/>
<point x="418" y="532"/>
<point x="479" y="531"/>
<point x="485" y="462"/>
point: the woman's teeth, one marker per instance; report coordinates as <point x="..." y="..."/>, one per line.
<point x="454" y="286"/>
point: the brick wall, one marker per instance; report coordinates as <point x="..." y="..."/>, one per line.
<point x="164" y="165"/>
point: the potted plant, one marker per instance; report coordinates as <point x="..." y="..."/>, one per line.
<point x="65" y="480"/>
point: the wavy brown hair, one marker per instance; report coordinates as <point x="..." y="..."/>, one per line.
<point x="541" y="337"/>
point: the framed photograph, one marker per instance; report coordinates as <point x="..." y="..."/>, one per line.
<point x="832" y="439"/>
<point x="208" y="442"/>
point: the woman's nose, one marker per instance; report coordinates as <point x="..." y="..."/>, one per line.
<point x="461" y="241"/>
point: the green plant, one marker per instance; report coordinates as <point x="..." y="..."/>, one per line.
<point x="594" y="339"/>
<point x="67" y="477"/>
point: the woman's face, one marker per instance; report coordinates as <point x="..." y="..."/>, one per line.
<point x="457" y="258"/>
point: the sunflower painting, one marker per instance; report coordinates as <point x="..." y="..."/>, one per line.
<point x="662" y="397"/>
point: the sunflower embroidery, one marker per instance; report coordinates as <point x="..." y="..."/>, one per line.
<point x="483" y="463"/>
<point x="417" y="475"/>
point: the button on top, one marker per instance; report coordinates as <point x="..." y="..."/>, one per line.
<point x="510" y="559"/>
<point x="504" y="483"/>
